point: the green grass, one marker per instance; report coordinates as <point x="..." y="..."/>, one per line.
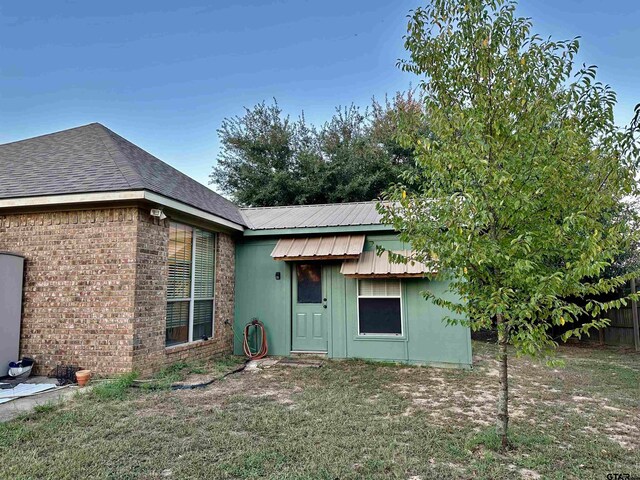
<point x="347" y="420"/>
<point x="45" y="408"/>
<point x="489" y="439"/>
<point x="114" y="389"/>
<point x="168" y="376"/>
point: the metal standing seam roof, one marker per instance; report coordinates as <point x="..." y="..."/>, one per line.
<point x="316" y="248"/>
<point x="371" y="265"/>
<point x="92" y="159"/>
<point x="309" y="216"/>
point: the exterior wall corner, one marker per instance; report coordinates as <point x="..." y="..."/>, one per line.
<point x="80" y="279"/>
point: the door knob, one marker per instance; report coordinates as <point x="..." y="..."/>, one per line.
<point x="324" y="306"/>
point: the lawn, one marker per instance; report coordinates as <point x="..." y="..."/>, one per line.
<point x="347" y="419"/>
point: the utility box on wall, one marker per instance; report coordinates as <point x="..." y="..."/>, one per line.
<point x="11" y="274"/>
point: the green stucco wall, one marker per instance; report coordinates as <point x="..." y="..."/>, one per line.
<point x="426" y="338"/>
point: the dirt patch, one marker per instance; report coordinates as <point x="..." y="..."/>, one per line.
<point x="625" y="434"/>
<point x="540" y="396"/>
<point x="197" y="379"/>
<point x="244" y="384"/>
<point x="449" y="396"/>
<point x="523" y="473"/>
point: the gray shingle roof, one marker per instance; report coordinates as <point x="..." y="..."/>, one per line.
<point x="309" y="216"/>
<point x="91" y="159"/>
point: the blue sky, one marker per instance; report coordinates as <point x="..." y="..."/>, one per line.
<point x="164" y="73"/>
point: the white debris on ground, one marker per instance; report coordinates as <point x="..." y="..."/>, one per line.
<point x="263" y="363"/>
<point x="34" y="392"/>
<point x="23" y="390"/>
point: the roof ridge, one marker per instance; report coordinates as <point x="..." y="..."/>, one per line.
<point x="112" y="134"/>
<point x="50" y="134"/>
<point x="133" y="166"/>
<point x="103" y="131"/>
<point x="369" y="202"/>
<point x="246" y="219"/>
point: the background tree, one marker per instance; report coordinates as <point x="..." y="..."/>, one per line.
<point x="357" y="168"/>
<point x="520" y="180"/>
<point x="267" y="159"/>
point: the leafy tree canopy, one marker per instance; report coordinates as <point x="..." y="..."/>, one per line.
<point x="522" y="179"/>
<point x="268" y="159"/>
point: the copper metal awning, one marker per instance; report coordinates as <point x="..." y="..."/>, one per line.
<point x="331" y="247"/>
<point x="370" y="265"/>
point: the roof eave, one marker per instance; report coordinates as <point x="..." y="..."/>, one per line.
<point x="318" y="230"/>
<point x="117" y="196"/>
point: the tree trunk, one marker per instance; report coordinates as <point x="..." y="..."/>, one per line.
<point x="502" y="422"/>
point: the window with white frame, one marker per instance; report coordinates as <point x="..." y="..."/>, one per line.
<point x="379" y="307"/>
<point x="190" y="286"/>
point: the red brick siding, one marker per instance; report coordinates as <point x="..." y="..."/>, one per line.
<point x="95" y="290"/>
<point x="80" y="275"/>
<point x="151" y="293"/>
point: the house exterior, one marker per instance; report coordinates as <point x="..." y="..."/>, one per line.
<point x="132" y="265"/>
<point x="77" y="205"/>
<point x="311" y="274"/>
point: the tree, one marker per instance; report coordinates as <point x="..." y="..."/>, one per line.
<point x="405" y="109"/>
<point x="629" y="259"/>
<point x="267" y="159"/>
<point x="357" y="168"/>
<point x="520" y="180"/>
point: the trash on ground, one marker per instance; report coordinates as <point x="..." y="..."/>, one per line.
<point x="21" y="369"/>
<point x="66" y="374"/>
<point x="23" y="390"/>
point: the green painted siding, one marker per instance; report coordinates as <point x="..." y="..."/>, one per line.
<point x="426" y="338"/>
<point x="259" y="294"/>
<point x="387" y="241"/>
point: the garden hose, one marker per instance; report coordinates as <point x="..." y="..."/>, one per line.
<point x="258" y="327"/>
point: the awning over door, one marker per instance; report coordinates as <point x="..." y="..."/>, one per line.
<point x="370" y="265"/>
<point x="330" y="247"/>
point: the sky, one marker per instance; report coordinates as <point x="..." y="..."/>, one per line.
<point x="164" y="74"/>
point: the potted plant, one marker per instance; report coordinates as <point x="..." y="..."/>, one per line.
<point x="83" y="376"/>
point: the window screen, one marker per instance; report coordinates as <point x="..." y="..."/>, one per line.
<point x="179" y="284"/>
<point x="202" y="319"/>
<point x="190" y="285"/>
<point x="177" y="323"/>
<point x="379" y="307"/>
<point x="204" y="264"/>
<point x="309" y="276"/>
<point x="379" y="288"/>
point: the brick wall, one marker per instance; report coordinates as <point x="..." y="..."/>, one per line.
<point x="95" y="290"/>
<point x="150" y="294"/>
<point x="80" y="275"/>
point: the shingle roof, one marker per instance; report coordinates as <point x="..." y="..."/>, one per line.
<point x="91" y="159"/>
<point x="308" y="216"/>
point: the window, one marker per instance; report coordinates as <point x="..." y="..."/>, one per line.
<point x="309" y="276"/>
<point x="190" y="286"/>
<point x="379" y="307"/>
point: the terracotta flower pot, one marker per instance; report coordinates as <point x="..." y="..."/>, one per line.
<point x="83" y="377"/>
